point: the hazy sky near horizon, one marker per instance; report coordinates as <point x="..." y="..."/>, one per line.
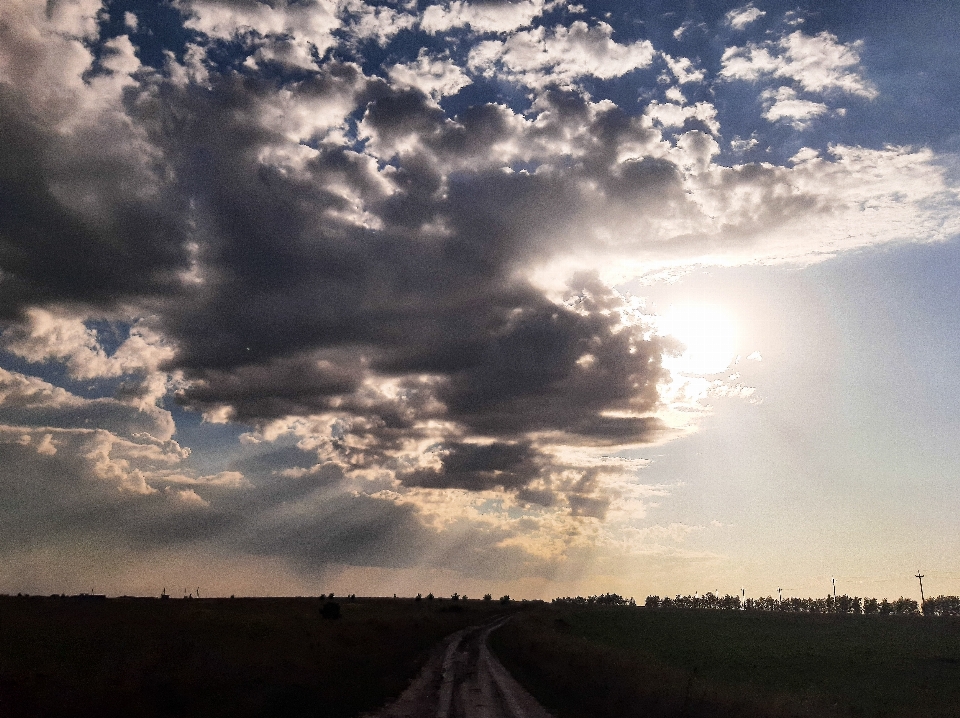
<point x="539" y="298"/>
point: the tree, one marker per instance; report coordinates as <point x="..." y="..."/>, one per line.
<point x="487" y="597"/>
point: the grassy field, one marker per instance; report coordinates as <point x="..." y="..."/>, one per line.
<point x="600" y="663"/>
<point x="215" y="657"/>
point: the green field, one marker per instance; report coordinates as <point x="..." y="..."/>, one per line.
<point x="600" y="663"/>
<point x="215" y="657"/>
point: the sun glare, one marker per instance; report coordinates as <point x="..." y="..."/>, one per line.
<point x="707" y="331"/>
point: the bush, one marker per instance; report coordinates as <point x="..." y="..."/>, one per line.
<point x="487" y="597"/>
<point x="505" y="599"/>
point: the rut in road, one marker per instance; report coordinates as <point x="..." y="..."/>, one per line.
<point x="463" y="679"/>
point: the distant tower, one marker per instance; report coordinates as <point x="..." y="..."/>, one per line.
<point x="922" y="600"/>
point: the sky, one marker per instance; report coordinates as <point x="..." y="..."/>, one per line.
<point x="530" y="298"/>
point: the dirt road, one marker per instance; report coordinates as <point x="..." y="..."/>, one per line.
<point x="464" y="680"/>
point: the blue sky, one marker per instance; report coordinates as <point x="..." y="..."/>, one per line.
<point x="542" y="298"/>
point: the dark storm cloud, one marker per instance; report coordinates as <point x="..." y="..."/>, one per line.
<point x="297" y="305"/>
<point x="479" y="467"/>
<point x="74" y="224"/>
<point x="294" y="385"/>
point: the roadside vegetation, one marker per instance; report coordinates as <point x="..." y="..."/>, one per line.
<point x="596" y="661"/>
<point x="217" y="657"/>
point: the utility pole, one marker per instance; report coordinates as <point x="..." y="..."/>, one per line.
<point x="922" y="601"/>
<point x="834" y="587"/>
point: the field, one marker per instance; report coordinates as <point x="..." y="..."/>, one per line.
<point x="215" y="657"/>
<point x="277" y="657"/>
<point x="601" y="663"/>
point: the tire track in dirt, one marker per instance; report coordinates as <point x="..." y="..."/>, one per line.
<point x="463" y="679"/>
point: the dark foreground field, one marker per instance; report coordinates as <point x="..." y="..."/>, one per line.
<point x="215" y="657"/>
<point x="624" y="662"/>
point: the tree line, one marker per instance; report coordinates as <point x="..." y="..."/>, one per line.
<point x="606" y="599"/>
<point x="939" y="606"/>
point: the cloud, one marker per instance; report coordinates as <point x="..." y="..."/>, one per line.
<point x="87" y="212"/>
<point x="671" y="114"/>
<point x="784" y="104"/>
<point x="684" y="69"/>
<point x="817" y="63"/>
<point x="539" y="57"/>
<point x="498" y="16"/>
<point x="478" y="467"/>
<point x="436" y="77"/>
<point x="739" y="18"/>
<point x="310" y="22"/>
<point x="379" y="22"/>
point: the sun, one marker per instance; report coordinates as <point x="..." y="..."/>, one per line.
<point x="707" y="331"/>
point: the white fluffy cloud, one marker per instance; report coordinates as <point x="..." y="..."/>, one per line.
<point x="496" y="17"/>
<point x="312" y="21"/>
<point x="784" y="104"/>
<point x="434" y="76"/>
<point x="818" y="63"/>
<point x="63" y="336"/>
<point x="673" y="114"/>
<point x="48" y="335"/>
<point x="540" y="57"/>
<point x="683" y="69"/>
<point x="129" y="448"/>
<point x="381" y="22"/>
<point x="739" y="18"/>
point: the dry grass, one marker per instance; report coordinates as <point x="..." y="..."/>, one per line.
<point x="602" y="663"/>
<point x="215" y="657"/>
